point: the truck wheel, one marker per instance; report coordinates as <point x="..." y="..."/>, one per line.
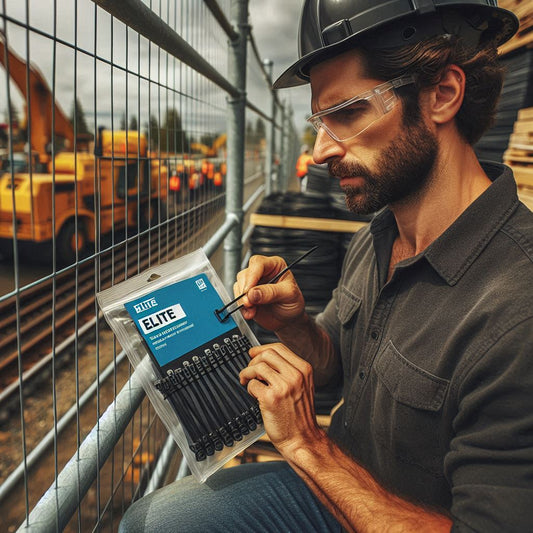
<point x="68" y="243"/>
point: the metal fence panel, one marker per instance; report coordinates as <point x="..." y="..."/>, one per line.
<point x="116" y="155"/>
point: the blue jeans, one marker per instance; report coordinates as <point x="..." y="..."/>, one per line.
<point x="254" y="497"/>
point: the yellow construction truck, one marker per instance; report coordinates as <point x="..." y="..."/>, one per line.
<point x="84" y="196"/>
<point x="74" y="196"/>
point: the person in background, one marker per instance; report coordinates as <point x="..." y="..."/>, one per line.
<point x="430" y="330"/>
<point x="304" y="160"/>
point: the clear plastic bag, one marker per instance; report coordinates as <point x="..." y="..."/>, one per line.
<point x="188" y="358"/>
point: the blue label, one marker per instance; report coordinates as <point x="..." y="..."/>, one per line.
<point x="178" y="318"/>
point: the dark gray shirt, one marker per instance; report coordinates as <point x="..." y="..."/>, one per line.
<point x="438" y="362"/>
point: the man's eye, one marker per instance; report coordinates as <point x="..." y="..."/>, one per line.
<point x="347" y="115"/>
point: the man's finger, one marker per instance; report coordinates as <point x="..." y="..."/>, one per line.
<point x="258" y="353"/>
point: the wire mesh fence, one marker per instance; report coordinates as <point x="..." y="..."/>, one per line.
<point x="115" y="155"/>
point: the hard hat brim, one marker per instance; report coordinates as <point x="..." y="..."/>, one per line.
<point x="298" y="73"/>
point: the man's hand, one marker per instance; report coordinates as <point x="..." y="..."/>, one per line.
<point x="282" y="382"/>
<point x="271" y="306"/>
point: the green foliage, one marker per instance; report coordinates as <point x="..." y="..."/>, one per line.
<point x="170" y="137"/>
<point x="77" y="119"/>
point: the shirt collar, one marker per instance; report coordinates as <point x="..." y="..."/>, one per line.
<point x="457" y="248"/>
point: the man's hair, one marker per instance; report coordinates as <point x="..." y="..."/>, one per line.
<point x="427" y="61"/>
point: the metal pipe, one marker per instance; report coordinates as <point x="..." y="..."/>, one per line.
<point x="259" y="191"/>
<point x="213" y="6"/>
<point x="282" y="169"/>
<point x="271" y="134"/>
<point x="218" y="237"/>
<point x="161" y="467"/>
<point x="246" y="235"/>
<point x="235" y="142"/>
<point x="15" y="476"/>
<point x="143" y="20"/>
<point x="60" y="501"/>
<point x="183" y="469"/>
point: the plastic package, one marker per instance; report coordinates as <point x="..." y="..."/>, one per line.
<point x="188" y="359"/>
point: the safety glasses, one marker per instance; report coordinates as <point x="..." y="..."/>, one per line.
<point x="349" y="119"/>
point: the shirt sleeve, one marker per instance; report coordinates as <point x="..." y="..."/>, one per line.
<point x="490" y="462"/>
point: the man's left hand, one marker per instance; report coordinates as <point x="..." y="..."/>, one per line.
<point x="282" y="382"/>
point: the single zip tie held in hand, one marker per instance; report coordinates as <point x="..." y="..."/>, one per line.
<point x="224" y="316"/>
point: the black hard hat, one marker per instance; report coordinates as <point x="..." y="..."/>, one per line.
<point x="328" y="27"/>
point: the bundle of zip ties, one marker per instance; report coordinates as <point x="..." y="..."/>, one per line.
<point x="215" y="409"/>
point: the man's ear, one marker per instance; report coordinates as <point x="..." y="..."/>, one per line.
<point x="447" y="96"/>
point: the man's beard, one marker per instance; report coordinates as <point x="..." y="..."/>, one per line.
<point x="402" y="171"/>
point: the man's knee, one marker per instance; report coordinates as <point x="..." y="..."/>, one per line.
<point x="162" y="510"/>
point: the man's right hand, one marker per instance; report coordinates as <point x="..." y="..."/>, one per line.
<point x="272" y="306"/>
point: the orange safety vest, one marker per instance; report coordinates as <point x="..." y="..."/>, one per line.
<point x="301" y="164"/>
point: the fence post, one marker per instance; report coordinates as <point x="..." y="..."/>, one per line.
<point x="285" y="146"/>
<point x="235" y="143"/>
<point x="270" y="133"/>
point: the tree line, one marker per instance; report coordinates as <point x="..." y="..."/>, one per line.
<point x="168" y="136"/>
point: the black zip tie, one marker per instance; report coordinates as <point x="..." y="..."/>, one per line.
<point x="217" y="406"/>
<point x="235" y="385"/>
<point x="224" y="361"/>
<point x="242" y="355"/>
<point x="205" y="407"/>
<point x="171" y="388"/>
<point x="235" y="353"/>
<point x="207" y="404"/>
<point x="193" y="402"/>
<point x="223" y="318"/>
<point x="207" y="361"/>
<point x="229" y="385"/>
<point x="226" y="392"/>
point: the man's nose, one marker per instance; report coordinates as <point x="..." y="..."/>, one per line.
<point x="325" y="147"/>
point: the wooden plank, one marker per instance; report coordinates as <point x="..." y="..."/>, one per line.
<point x="522" y="147"/>
<point x="508" y="159"/>
<point x="307" y="223"/>
<point x="524" y="127"/>
<point x="525" y="114"/>
<point x="523" y="176"/>
<point x="526" y="195"/>
<point x="515" y="43"/>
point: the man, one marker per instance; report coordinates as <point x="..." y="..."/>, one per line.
<point x="304" y="160"/>
<point x="431" y="326"/>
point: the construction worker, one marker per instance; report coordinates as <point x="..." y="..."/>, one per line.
<point x="304" y="160"/>
<point x="430" y="330"/>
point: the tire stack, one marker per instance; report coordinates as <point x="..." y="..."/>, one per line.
<point x="320" y="183"/>
<point x="318" y="273"/>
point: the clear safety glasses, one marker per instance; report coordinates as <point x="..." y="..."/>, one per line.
<point x="349" y="119"/>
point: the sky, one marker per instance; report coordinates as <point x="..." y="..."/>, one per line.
<point x="274" y="26"/>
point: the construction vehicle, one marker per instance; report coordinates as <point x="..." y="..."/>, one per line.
<point x="212" y="167"/>
<point x="76" y="196"/>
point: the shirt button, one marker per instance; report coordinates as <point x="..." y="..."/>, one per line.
<point x="374" y="334"/>
<point x="345" y="424"/>
<point x="361" y="375"/>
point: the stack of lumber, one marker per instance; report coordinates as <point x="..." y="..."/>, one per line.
<point x="523" y="9"/>
<point x="517" y="58"/>
<point x="519" y="154"/>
